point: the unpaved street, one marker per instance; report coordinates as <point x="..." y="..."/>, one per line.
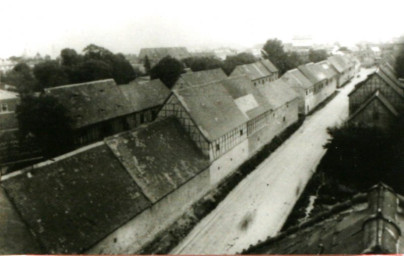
<point x="260" y="204"/>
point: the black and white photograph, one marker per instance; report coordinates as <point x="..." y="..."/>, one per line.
<point x="201" y="127"/>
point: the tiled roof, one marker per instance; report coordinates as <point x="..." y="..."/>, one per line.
<point x="160" y="157"/>
<point x="201" y="77"/>
<point x="256" y="70"/>
<point x="296" y="78"/>
<point x="92" y="102"/>
<point x="74" y="201"/>
<point x="269" y="65"/>
<point x="369" y="223"/>
<point x="278" y="92"/>
<point x="338" y="62"/>
<point x="312" y="72"/>
<point x="327" y="69"/>
<point x="145" y="95"/>
<point x="375" y="96"/>
<point x="161" y="52"/>
<point x="212" y="108"/>
<point x="390" y="75"/>
<point x="5" y="95"/>
<point x="240" y="87"/>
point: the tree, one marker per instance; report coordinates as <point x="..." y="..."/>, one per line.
<point x="50" y="74"/>
<point x="21" y="76"/>
<point x="273" y="50"/>
<point x="293" y="60"/>
<point x="202" y="63"/>
<point x="90" y="70"/>
<point x="317" y="55"/>
<point x="399" y="65"/>
<point x="231" y="62"/>
<point x="70" y="57"/>
<point x="168" y="70"/>
<point x="48" y="121"/>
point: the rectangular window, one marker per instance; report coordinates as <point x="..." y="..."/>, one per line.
<point x="217" y="147"/>
<point x="241" y="132"/>
<point x="4" y="107"/>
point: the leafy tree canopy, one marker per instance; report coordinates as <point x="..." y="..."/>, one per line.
<point x="202" y="63"/>
<point x="273" y="50"/>
<point x="317" y="55"/>
<point x="232" y="61"/>
<point x="48" y="121"/>
<point x="168" y="70"/>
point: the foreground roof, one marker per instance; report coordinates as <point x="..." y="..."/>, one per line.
<point x="338" y="62"/>
<point x="313" y="72"/>
<point x="142" y="96"/>
<point x="327" y="69"/>
<point x="73" y="201"/>
<point x="92" y="102"/>
<point x="368" y="223"/>
<point x="212" y="109"/>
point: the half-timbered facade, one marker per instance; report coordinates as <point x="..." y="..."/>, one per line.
<point x="376" y="82"/>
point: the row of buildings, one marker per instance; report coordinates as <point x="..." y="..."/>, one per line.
<point x="378" y="101"/>
<point x="115" y="195"/>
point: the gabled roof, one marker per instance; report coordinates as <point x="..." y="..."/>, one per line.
<point x="256" y="70"/>
<point x="368" y="223"/>
<point x="161" y="52"/>
<point x="278" y="92"/>
<point x="384" y="78"/>
<point x="201" y="77"/>
<point x="269" y="65"/>
<point x="390" y="75"/>
<point x="327" y="69"/>
<point x="312" y="72"/>
<point x="212" y="109"/>
<point x="145" y="95"/>
<point x="375" y="96"/>
<point x="75" y="200"/>
<point x="160" y="157"/>
<point x="247" y="97"/>
<point x="295" y="77"/>
<point x="338" y="62"/>
<point x="92" y="102"/>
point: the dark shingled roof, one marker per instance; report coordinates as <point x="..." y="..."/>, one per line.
<point x="239" y="87"/>
<point x="160" y="156"/>
<point x="75" y="201"/>
<point x="312" y="72"/>
<point x="369" y="223"/>
<point x="15" y="238"/>
<point x="92" y="102"/>
<point x="202" y="77"/>
<point x="375" y="96"/>
<point x="161" y="52"/>
<point x="255" y="70"/>
<point x="295" y="77"/>
<point x="145" y="95"/>
<point x="212" y="109"/>
<point x="390" y="75"/>
<point x="278" y="92"/>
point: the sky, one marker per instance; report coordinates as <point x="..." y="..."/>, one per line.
<point x="126" y="26"/>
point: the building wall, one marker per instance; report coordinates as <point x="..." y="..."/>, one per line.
<point x="228" y="162"/>
<point x="276" y="122"/>
<point x="374" y="115"/>
<point x="174" y="108"/>
<point x="143" y="228"/>
<point x="224" y="144"/>
<point x="366" y="90"/>
<point x="8" y="105"/>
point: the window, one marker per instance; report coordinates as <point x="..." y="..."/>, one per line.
<point x="4" y="107"/>
<point x="287" y="105"/>
<point x="217" y="147"/>
<point x="241" y="132"/>
<point x="284" y="119"/>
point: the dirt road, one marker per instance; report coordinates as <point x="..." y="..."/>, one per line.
<point x="260" y="204"/>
